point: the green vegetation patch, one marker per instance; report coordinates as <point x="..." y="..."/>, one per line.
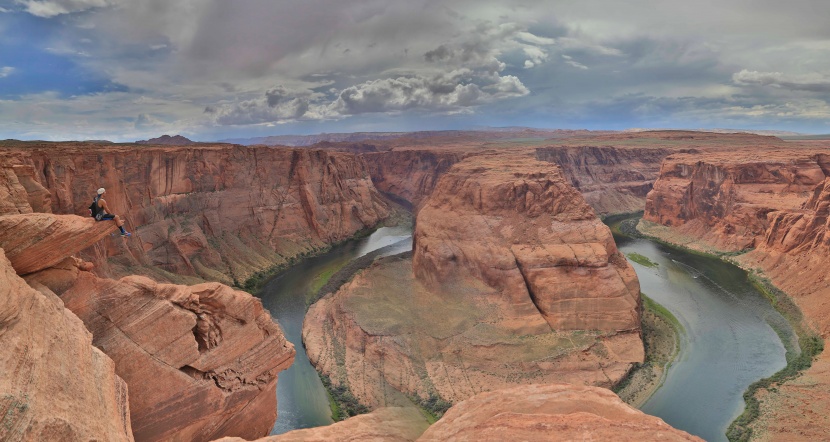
<point x="342" y="402"/>
<point x="641" y="259"/>
<point x="658" y="358"/>
<point x="811" y="346"/>
<point x="658" y="309"/>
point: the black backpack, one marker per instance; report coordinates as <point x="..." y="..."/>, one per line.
<point x="95" y="211"/>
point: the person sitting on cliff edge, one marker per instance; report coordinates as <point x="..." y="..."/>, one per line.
<point x="99" y="210"/>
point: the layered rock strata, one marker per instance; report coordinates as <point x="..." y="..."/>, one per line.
<point x="550" y="412"/>
<point x="209" y="212"/>
<point x="724" y="198"/>
<point x="201" y="361"/>
<point x="514" y="280"/>
<point x="794" y="254"/>
<point x="54" y="385"/>
<point x="611" y="179"/>
<point x="37" y="241"/>
<point x="529" y="413"/>
<point x="410" y="175"/>
<point x="774" y="205"/>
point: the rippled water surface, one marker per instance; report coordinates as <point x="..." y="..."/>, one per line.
<point x="302" y="401"/>
<point x="729" y="339"/>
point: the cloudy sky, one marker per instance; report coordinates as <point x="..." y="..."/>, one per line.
<point x="209" y="69"/>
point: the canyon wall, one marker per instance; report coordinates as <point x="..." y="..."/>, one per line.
<point x="612" y="179"/>
<point x="199" y="362"/>
<point x="774" y="205"/>
<point x="409" y="175"/>
<point x="514" y="280"/>
<point x="518" y="226"/>
<point x="217" y="213"/>
<point x="54" y="385"/>
<point x="722" y="199"/>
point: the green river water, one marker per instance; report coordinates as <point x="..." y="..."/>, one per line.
<point x="729" y="341"/>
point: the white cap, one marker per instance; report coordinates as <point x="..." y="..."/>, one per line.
<point x="101" y="191"/>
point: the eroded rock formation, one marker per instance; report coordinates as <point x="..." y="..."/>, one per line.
<point x="36" y="241"/>
<point x="54" y="385"/>
<point x="515" y="224"/>
<point x="774" y="204"/>
<point x="550" y="412"/>
<point x="612" y="179"/>
<point x="409" y="175"/>
<point x="723" y="198"/>
<point x="514" y="280"/>
<point x="212" y="212"/>
<point x="200" y="361"/>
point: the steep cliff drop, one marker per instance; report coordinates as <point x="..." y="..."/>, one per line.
<point x="200" y="362"/>
<point x="612" y="179"/>
<point x="720" y="200"/>
<point x="55" y="385"/>
<point x="410" y="175"/>
<point x="769" y="208"/>
<point x="513" y="281"/>
<point x="209" y="212"/>
<point x="794" y="254"/>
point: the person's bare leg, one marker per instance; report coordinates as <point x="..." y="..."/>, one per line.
<point x="118" y="221"/>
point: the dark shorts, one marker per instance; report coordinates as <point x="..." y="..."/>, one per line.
<point x="107" y="217"/>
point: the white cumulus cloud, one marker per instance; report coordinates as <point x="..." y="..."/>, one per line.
<point x="52" y="8"/>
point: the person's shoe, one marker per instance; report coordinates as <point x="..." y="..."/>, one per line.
<point x="126" y="234"/>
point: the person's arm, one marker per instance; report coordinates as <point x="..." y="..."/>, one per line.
<point x="103" y="204"/>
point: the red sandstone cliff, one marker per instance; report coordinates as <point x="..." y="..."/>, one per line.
<point x="200" y="362"/>
<point x="410" y="175"/>
<point x="611" y="179"/>
<point x="211" y="212"/>
<point x="54" y="385"/>
<point x="516" y="225"/>
<point x="777" y="203"/>
<point x="724" y="198"/>
<point x="393" y="424"/>
<point x="514" y="280"/>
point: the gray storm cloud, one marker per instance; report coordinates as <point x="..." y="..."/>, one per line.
<point x="212" y="66"/>
<point x="809" y="83"/>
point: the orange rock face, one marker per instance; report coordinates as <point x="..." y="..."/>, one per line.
<point x="776" y="203"/>
<point x="524" y="231"/>
<point x="214" y="212"/>
<point x="201" y="362"/>
<point x="409" y="175"/>
<point x="725" y="197"/>
<point x="392" y="424"/>
<point x="54" y="385"/>
<point x="530" y="285"/>
<point x="612" y="179"/>
<point x="550" y="412"/>
<point x="794" y="254"/>
<point x="36" y="241"/>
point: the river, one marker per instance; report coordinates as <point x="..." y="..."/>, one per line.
<point x="302" y="401"/>
<point x="729" y="342"/>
